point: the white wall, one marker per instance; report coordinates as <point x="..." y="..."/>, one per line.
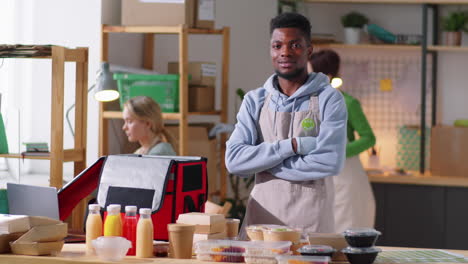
<point x="68" y="23"/>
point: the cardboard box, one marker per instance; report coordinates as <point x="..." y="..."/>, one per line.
<point x="204" y="223"/>
<point x="192" y="13"/>
<point x="37" y="248"/>
<point x="201" y="99"/>
<point x="334" y="240"/>
<point x="158" y="13"/>
<point x="22" y="223"/>
<point x="201" y="73"/>
<point x="205" y="14"/>
<point x="200" y="145"/>
<point x="449" y="149"/>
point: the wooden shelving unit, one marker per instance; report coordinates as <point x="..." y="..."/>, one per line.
<point x="58" y="155"/>
<point x="182" y="117"/>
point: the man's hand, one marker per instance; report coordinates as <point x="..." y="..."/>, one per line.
<point x="304" y="145"/>
<point x="294" y="145"/>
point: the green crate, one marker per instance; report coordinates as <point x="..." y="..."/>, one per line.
<point x="163" y="88"/>
<point x="3" y="202"/>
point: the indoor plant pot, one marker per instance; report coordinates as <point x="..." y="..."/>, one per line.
<point x="453" y="25"/>
<point x="353" y="23"/>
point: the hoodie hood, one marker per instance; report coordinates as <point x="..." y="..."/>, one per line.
<point x="314" y="84"/>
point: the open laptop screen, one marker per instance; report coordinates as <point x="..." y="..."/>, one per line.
<point x="32" y="200"/>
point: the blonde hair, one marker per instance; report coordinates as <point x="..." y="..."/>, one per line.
<point x="146" y="109"/>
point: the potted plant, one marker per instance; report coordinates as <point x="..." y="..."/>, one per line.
<point x="453" y="24"/>
<point x="353" y="23"/>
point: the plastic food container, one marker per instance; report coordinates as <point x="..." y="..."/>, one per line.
<point x="282" y="234"/>
<point x="160" y="248"/>
<point x="255" y="232"/>
<point x="361" y="255"/>
<point x="334" y="240"/>
<point x="284" y="259"/>
<point x="221" y="250"/>
<point x="111" y="248"/>
<point x="265" y="251"/>
<point x="316" y="250"/>
<point x="240" y="251"/>
<point x="361" y="237"/>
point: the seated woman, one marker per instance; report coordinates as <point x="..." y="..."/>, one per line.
<point x="143" y="123"/>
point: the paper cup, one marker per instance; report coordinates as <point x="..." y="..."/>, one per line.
<point x="232" y="227"/>
<point x="181" y="240"/>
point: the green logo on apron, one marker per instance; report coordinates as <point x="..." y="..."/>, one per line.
<point x="307" y="124"/>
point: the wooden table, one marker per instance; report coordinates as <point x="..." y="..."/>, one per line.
<point x="74" y="254"/>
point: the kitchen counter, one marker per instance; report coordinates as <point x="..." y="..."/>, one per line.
<point x="74" y="254"/>
<point x="417" y="179"/>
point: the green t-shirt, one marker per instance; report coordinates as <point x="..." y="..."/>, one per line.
<point x="357" y="122"/>
<point x="162" y="149"/>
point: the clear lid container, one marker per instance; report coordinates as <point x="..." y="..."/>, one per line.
<point x="229" y="247"/>
<point x="316" y="249"/>
<point x="260" y="228"/>
<point x="355" y="250"/>
<point x="361" y="232"/>
<point x="287" y="259"/>
<point x="267" y="248"/>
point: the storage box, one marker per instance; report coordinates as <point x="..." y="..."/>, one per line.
<point x="200" y="237"/>
<point x="201" y="99"/>
<point x="201" y="73"/>
<point x="204" y="223"/>
<point x="23" y="223"/>
<point x="449" y="149"/>
<point x="163" y="88"/>
<point x="200" y="145"/>
<point x="45" y="233"/>
<point x="193" y="13"/>
<point x="158" y="12"/>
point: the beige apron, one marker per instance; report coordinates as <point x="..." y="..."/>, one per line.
<point x="354" y="200"/>
<point x="306" y="204"/>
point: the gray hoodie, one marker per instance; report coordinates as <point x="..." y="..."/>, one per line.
<point x="247" y="154"/>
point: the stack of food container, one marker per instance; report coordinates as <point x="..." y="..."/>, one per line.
<point x="207" y="226"/>
<point x="276" y="233"/>
<point x="361" y="248"/>
<point x="241" y="251"/>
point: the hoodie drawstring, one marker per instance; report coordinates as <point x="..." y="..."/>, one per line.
<point x="274" y="118"/>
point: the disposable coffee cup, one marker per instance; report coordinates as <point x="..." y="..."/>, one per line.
<point x="232" y="227"/>
<point x="180" y="240"/>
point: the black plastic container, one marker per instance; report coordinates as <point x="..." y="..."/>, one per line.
<point x="316" y="250"/>
<point x="361" y="237"/>
<point x="361" y="255"/>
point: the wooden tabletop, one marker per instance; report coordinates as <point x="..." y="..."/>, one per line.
<point x="418" y="179"/>
<point x="74" y="254"/>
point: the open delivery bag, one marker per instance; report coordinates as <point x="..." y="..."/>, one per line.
<point x="169" y="185"/>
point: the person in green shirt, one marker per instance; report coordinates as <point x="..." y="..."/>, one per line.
<point x="354" y="200"/>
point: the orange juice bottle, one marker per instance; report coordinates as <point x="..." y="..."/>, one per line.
<point x="144" y="236"/>
<point x="93" y="226"/>
<point x="113" y="222"/>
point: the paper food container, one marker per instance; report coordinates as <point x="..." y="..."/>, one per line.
<point x="334" y="240"/>
<point x="36" y="248"/>
<point x="5" y="240"/>
<point x="40" y="240"/>
<point x="22" y="223"/>
<point x="204" y="223"/>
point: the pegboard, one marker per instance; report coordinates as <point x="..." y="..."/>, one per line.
<point x="389" y="89"/>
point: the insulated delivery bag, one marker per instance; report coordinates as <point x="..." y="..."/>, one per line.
<point x="169" y="185"/>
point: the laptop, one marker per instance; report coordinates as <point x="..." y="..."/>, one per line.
<point x="32" y="200"/>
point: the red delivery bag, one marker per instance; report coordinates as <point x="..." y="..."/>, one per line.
<point x="169" y="185"/>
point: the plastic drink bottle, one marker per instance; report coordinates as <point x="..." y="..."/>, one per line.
<point x="93" y="226"/>
<point x="129" y="227"/>
<point x="113" y="222"/>
<point x="144" y="245"/>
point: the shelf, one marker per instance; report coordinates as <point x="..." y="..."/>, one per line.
<point x="448" y="48"/>
<point x="441" y="2"/>
<point x="75" y="155"/>
<point x="71" y="55"/>
<point x="168" y="116"/>
<point x="158" y="29"/>
<point x="369" y="46"/>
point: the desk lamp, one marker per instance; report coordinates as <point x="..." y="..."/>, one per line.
<point x="106" y="89"/>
